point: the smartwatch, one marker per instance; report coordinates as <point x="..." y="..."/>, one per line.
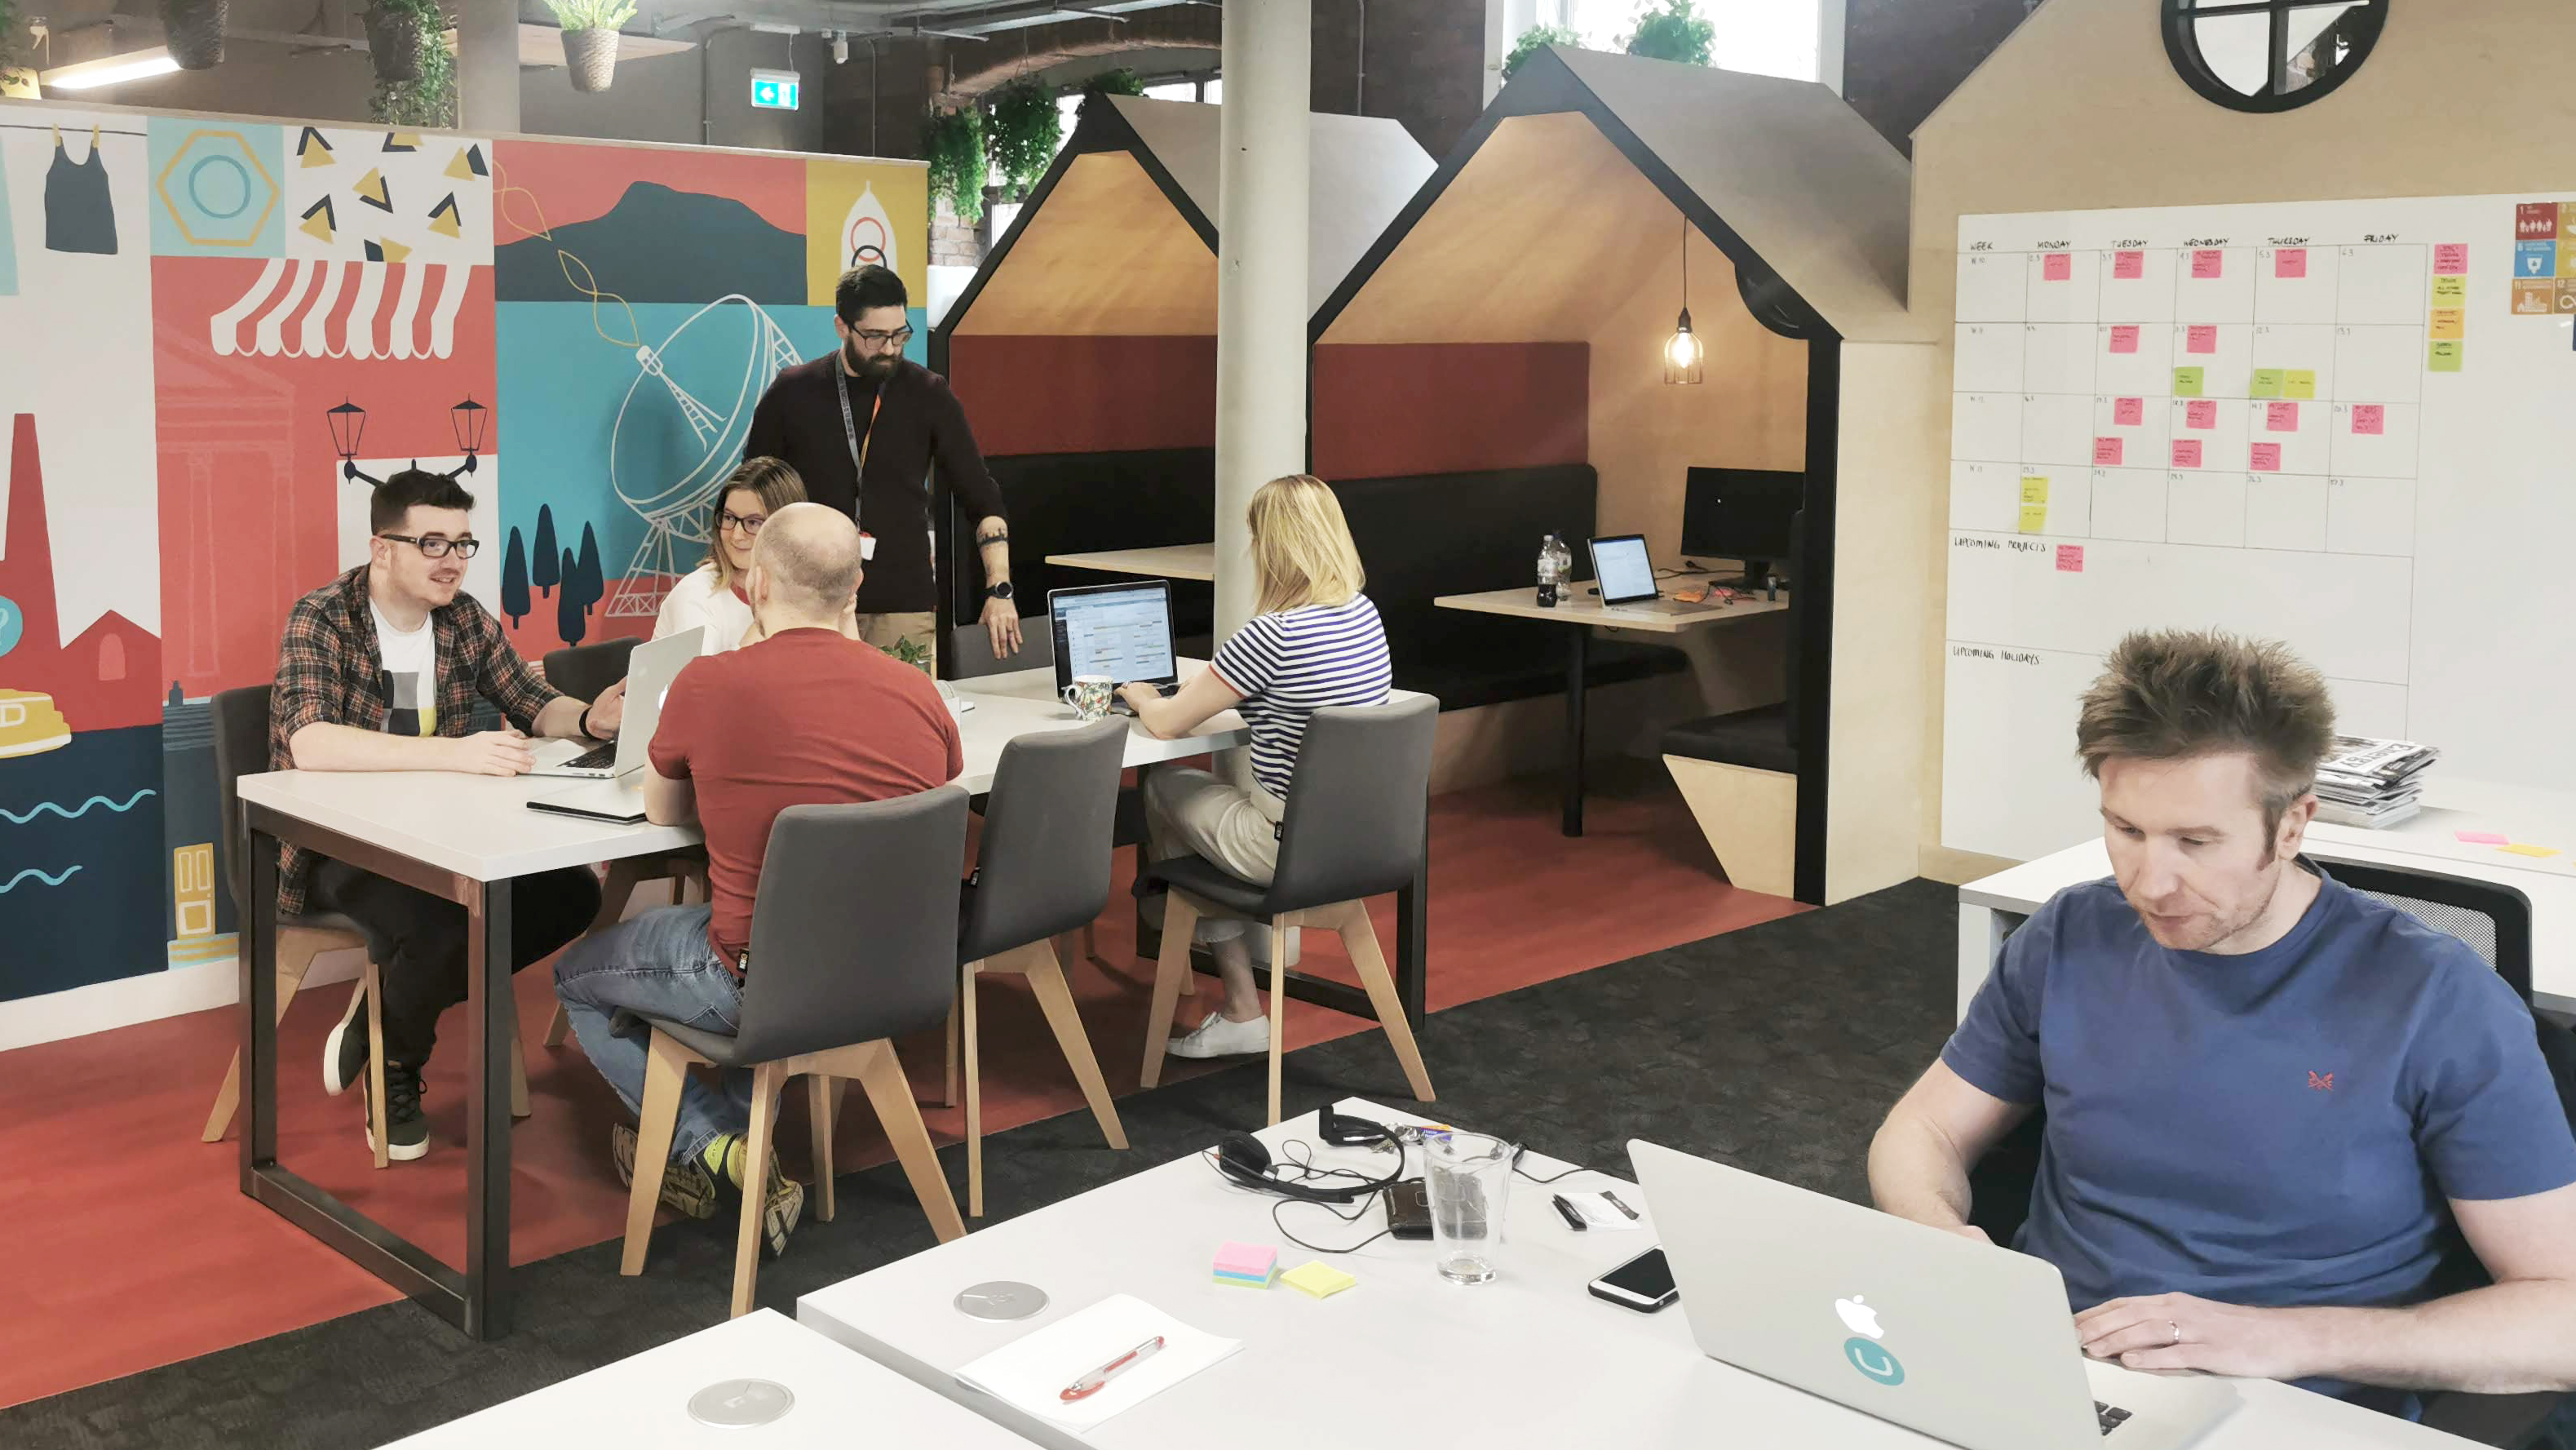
<point x="998" y="591"/>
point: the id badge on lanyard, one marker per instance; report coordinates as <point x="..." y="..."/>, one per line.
<point x="858" y="441"/>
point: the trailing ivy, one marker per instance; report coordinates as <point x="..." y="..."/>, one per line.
<point x="1675" y="32"/>
<point x="430" y="98"/>
<point x="1534" y="40"/>
<point x="953" y="142"/>
<point x="1026" y="129"/>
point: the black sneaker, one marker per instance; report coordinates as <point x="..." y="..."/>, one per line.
<point x="408" y="1135"/>
<point x="344" y="1052"/>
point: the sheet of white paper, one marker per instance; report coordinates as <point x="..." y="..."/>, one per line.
<point x="1031" y="1372"/>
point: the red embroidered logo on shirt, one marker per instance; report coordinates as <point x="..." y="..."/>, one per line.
<point x="2321" y="1081"/>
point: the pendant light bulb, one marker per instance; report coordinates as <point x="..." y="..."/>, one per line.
<point x="1683" y="351"/>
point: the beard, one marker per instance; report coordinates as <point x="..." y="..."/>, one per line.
<point x="871" y="368"/>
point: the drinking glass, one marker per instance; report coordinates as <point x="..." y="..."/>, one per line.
<point x="1470" y="1178"/>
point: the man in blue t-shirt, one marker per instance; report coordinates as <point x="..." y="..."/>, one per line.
<point x="2291" y="1132"/>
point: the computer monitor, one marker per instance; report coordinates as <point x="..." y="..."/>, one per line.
<point x="1741" y="513"/>
<point x="1123" y="631"/>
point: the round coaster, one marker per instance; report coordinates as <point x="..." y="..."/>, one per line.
<point x="1001" y="1299"/>
<point x="740" y="1404"/>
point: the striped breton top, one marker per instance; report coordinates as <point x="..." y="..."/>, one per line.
<point x="1291" y="664"/>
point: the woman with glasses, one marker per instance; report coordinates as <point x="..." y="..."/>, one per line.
<point x="711" y="595"/>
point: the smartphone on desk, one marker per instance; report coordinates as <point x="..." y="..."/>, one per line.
<point x="1644" y="1283"/>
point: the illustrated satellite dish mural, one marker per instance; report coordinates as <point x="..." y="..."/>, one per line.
<point x="867" y="233"/>
<point x="680" y="432"/>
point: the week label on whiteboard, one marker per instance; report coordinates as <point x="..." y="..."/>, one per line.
<point x="2001" y="656"/>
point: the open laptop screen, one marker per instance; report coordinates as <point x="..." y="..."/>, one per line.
<point x="1123" y="631"/>
<point x="1626" y="573"/>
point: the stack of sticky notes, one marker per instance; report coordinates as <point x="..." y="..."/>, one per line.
<point x="1246" y="1266"/>
<point x="1318" y="1278"/>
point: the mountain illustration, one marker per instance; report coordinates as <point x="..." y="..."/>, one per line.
<point x="659" y="245"/>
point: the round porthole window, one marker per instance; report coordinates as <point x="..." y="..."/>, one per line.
<point x="2270" y="55"/>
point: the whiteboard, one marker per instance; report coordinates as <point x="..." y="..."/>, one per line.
<point x="2346" y="425"/>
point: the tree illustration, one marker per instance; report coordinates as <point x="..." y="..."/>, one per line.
<point x="571" y="617"/>
<point x="594" y="585"/>
<point x="547" y="575"/>
<point x="514" y="580"/>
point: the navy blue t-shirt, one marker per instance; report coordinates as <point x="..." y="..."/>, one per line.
<point x="2273" y="1129"/>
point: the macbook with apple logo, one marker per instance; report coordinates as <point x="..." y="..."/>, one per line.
<point x="1960" y="1340"/>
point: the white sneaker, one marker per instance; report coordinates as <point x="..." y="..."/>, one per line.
<point x="1218" y="1037"/>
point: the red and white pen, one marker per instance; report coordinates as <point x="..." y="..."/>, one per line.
<point x="1090" y="1384"/>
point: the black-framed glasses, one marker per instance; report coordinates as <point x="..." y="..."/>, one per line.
<point x="750" y="526"/>
<point x="876" y="341"/>
<point x="437" y="546"/>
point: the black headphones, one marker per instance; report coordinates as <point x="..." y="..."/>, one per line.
<point x="1243" y="1160"/>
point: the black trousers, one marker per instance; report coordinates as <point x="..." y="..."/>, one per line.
<point x="418" y="941"/>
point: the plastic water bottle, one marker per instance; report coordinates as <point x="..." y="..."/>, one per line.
<point x="1551" y="571"/>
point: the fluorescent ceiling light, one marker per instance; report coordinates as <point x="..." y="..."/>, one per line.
<point x="111" y="70"/>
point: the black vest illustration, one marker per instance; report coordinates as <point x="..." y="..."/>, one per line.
<point x="79" y="217"/>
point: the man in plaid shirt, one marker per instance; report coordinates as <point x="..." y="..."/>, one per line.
<point x="382" y="669"/>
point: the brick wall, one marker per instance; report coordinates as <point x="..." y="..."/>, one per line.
<point x="1425" y="65"/>
<point x="1902" y="58"/>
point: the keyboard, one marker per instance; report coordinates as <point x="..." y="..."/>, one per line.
<point x="600" y="758"/>
<point x="2112" y="1417"/>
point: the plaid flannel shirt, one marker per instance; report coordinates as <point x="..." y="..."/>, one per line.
<point x="329" y="672"/>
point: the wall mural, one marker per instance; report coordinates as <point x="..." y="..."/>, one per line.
<point x="243" y="321"/>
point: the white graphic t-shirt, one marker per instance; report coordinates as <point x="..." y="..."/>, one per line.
<point x="409" y="679"/>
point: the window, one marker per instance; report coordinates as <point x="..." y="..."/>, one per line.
<point x="1770" y="38"/>
<point x="2269" y="55"/>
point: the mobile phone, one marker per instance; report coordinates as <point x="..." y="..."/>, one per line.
<point x="1408" y="1209"/>
<point x="1644" y="1283"/>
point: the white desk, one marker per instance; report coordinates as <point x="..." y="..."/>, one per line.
<point x="1171" y="561"/>
<point x="1404" y="1358"/>
<point x="841" y="1399"/>
<point x="1990" y="909"/>
<point x="1575" y="607"/>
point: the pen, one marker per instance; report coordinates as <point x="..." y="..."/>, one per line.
<point x="1573" y="1220"/>
<point x="1089" y="1385"/>
<point x="1615" y="1203"/>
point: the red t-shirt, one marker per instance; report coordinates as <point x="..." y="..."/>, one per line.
<point x="802" y="718"/>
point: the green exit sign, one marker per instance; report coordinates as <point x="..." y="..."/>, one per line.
<point x="774" y="90"/>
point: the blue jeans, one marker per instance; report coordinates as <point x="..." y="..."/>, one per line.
<point x="659" y="964"/>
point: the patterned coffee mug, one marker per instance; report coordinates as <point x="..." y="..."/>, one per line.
<point x="1089" y="696"/>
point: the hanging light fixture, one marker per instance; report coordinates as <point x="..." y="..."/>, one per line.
<point x="468" y="419"/>
<point x="1683" y="351"/>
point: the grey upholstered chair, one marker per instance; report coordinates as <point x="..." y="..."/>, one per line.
<point x="241" y="748"/>
<point x="970" y="650"/>
<point x="1353" y="829"/>
<point x="853" y="944"/>
<point x="1041" y="871"/>
<point x="583" y="670"/>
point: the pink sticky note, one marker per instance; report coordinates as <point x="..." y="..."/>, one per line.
<point x="2186" y="453"/>
<point x="2057" y="267"/>
<point x="2128" y="412"/>
<point x="2106" y="452"/>
<point x="2124" y="339"/>
<point x="2281" y="417"/>
<point x="2070" y="558"/>
<point x="2371" y="418"/>
<point x="2200" y="413"/>
<point x="2208" y="263"/>
<point x="2451" y="259"/>
<point x="2290" y="262"/>
<point x="2267" y="457"/>
<point x="1251" y="1261"/>
<point x="2127" y="267"/>
<point x="2481" y="838"/>
<point x="2202" y="338"/>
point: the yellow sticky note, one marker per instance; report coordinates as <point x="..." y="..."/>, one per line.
<point x="2187" y="382"/>
<point x="2450" y="322"/>
<point x="2450" y="291"/>
<point x="2034" y="518"/>
<point x="2445" y="356"/>
<point x="1319" y="1279"/>
<point x="2034" y="488"/>
<point x="2518" y="849"/>
<point x="2299" y="383"/>
<point x="2267" y="383"/>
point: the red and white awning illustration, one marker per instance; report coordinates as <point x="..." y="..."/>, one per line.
<point x="345" y="309"/>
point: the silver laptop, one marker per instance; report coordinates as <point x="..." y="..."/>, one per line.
<point x="1625" y="575"/>
<point x="658" y="659"/>
<point x="619" y="796"/>
<point x="1960" y="1340"/>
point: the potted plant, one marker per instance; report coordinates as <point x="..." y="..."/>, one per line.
<point x="424" y="91"/>
<point x="953" y="142"/>
<point x="1023" y="135"/>
<point x="1534" y="40"/>
<point x="1674" y="32"/>
<point x="16" y="81"/>
<point x="590" y="38"/>
<point x="194" y="31"/>
<point x="397" y="32"/>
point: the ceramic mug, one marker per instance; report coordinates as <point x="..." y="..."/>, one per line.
<point x="1089" y="696"/>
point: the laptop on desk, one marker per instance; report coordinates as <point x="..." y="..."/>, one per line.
<point x="1963" y="1341"/>
<point x="618" y="796"/>
<point x="1626" y="575"/>
<point x="1123" y="631"/>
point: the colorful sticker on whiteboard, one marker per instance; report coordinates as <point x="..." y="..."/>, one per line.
<point x="2566" y="296"/>
<point x="2208" y="264"/>
<point x="2444" y="356"/>
<point x="2034" y="488"/>
<point x="2532" y="297"/>
<point x="2535" y="221"/>
<point x="2106" y="452"/>
<point x="2451" y="259"/>
<point x="2535" y="259"/>
<point x="2370" y="419"/>
<point x="2200" y="413"/>
<point x="2281" y="417"/>
<point x="2299" y="383"/>
<point x="2267" y="457"/>
<point x="2186" y="453"/>
<point x="2057" y="267"/>
<point x="2290" y="263"/>
<point x="2034" y="518"/>
<point x="2187" y="382"/>
<point x="2450" y="291"/>
<point x="2266" y="383"/>
<point x="2200" y="338"/>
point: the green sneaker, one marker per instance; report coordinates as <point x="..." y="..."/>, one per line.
<point x="783" y="1202"/>
<point x="686" y="1184"/>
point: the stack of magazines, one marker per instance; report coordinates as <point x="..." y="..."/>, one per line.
<point x="2372" y="783"/>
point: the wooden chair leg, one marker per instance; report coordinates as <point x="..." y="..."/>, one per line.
<point x="664" y="1068"/>
<point x="966" y="994"/>
<point x="228" y="1097"/>
<point x="372" y="982"/>
<point x="519" y="1076"/>
<point x="1359" y="938"/>
<point x="558" y="1027"/>
<point x="881" y="1077"/>
<point x="1171" y="971"/>
<point x="1091" y="942"/>
<point x="1278" y="1011"/>
<point x="820" y="1100"/>
<point x="766" y="1080"/>
<point x="956" y="1047"/>
<point x="1055" y="999"/>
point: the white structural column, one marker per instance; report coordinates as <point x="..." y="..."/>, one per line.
<point x="487" y="66"/>
<point x="1261" y="277"/>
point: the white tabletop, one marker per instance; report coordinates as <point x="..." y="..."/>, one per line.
<point x="1582" y="608"/>
<point x="1024" y="702"/>
<point x="1404" y="1358"/>
<point x="1171" y="561"/>
<point x="841" y="1399"/>
<point x="476" y="826"/>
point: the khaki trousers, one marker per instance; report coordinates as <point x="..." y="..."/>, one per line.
<point x="1192" y="813"/>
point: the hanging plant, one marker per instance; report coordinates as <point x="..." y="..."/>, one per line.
<point x="11" y="56"/>
<point x="415" y="72"/>
<point x="1534" y="40"/>
<point x="1674" y="32"/>
<point x="590" y="38"/>
<point x="1118" y="82"/>
<point x="953" y="142"/>
<point x="1026" y="130"/>
<point x="194" y="31"/>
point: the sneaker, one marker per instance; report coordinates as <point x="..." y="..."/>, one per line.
<point x="686" y="1184"/>
<point x="782" y="1203"/>
<point x="1218" y="1037"/>
<point x="344" y="1052"/>
<point x="407" y="1135"/>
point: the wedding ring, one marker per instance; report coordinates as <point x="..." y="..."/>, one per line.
<point x="2177" y="1334"/>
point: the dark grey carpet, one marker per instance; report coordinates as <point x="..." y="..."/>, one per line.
<point x="1776" y="1048"/>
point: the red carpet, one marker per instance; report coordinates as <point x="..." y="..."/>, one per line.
<point x="136" y="1247"/>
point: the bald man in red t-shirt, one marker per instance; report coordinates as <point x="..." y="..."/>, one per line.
<point x="808" y="715"/>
